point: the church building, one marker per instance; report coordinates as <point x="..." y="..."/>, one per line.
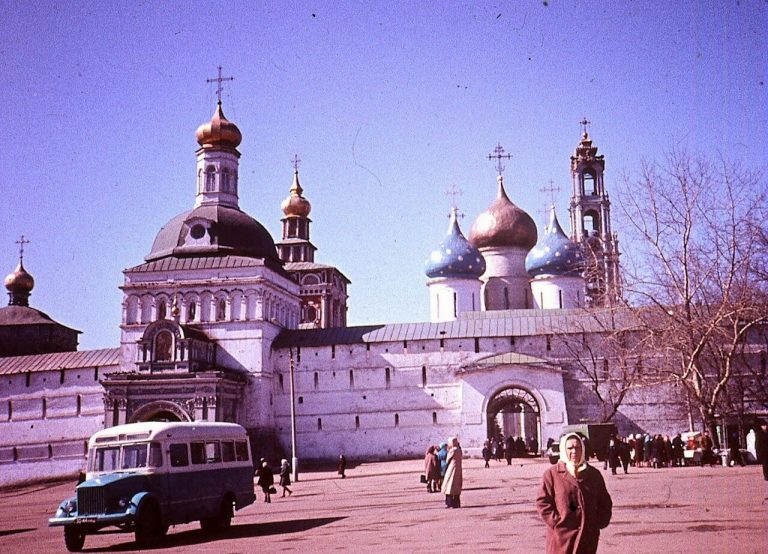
<point x="220" y="322"/>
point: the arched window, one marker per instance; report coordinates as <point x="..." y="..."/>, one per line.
<point x="317" y="379"/>
<point x="397" y="420"/>
<point x="387" y="377"/>
<point x="163" y="346"/>
<point x="357" y="422"/>
<point x="351" y="379"/>
<point x="434" y="418"/>
<point x="221" y="308"/>
<point x="192" y="312"/>
<point x="210" y="178"/>
<point x="162" y="310"/>
<point x="590" y="186"/>
<point x="423" y="376"/>
<point x="225" y="180"/>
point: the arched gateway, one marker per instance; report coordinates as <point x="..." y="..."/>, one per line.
<point x="514" y="412"/>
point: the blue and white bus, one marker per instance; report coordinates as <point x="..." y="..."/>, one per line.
<point x="144" y="477"/>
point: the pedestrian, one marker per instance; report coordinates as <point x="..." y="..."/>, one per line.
<point x="487" y="453"/>
<point x="442" y="458"/>
<point x="266" y="481"/>
<point x="612" y="454"/>
<point x="431" y="469"/>
<point x="707" y="454"/>
<point x="573" y="501"/>
<point x="285" y="477"/>
<point x="677" y="450"/>
<point x="342" y="466"/>
<point x="761" y="446"/>
<point x="509" y="449"/>
<point x="735" y="450"/>
<point x="624" y="454"/>
<point x="453" y="475"/>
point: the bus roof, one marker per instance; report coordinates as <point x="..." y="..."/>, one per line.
<point x="181" y="430"/>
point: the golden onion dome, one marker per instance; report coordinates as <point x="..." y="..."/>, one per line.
<point x="219" y="131"/>
<point x="19" y="280"/>
<point x="296" y="204"/>
<point x="503" y="224"/>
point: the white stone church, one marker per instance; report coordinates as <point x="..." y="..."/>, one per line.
<point x="219" y="319"/>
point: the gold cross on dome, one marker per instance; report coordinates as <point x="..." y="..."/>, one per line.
<point x="22" y="241"/>
<point x="296" y="161"/>
<point x="219" y="80"/>
<point x="584" y="122"/>
<point x="498" y="155"/>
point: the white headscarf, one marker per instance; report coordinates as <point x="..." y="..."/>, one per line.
<point x="573" y="467"/>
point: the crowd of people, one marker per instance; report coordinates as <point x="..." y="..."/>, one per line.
<point x="498" y="448"/>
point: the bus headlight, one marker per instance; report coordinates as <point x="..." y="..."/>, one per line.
<point x="67" y="508"/>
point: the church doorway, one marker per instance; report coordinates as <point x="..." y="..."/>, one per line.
<point x="161" y="410"/>
<point x="514" y="412"/>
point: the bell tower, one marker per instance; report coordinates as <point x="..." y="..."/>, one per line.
<point x="590" y="212"/>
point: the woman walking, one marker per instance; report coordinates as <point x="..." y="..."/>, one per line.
<point x="285" y="477"/>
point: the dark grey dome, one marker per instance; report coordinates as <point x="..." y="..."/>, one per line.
<point x="213" y="230"/>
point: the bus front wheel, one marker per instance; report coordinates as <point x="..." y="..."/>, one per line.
<point x="149" y="525"/>
<point x="74" y="538"/>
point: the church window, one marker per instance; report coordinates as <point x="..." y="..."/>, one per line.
<point x="351" y="379"/>
<point x="225" y="180"/>
<point x="221" y="307"/>
<point x="197" y="232"/>
<point x="387" y="377"/>
<point x="589" y="184"/>
<point x="210" y="179"/>
<point x="161" y="310"/>
<point x="560" y="298"/>
<point x="95" y="374"/>
<point x="455" y="305"/>
<point x="473" y="302"/>
<point x="79" y="404"/>
<point x="317" y="379"/>
<point x="477" y="345"/>
<point x="280" y="380"/>
<point x="357" y="422"/>
<point x="333" y="351"/>
<point x="506" y="298"/>
<point x="549" y="343"/>
<point x="423" y="376"/>
<point x="28" y="378"/>
<point x="434" y="418"/>
<point x="301" y="400"/>
<point x="192" y="312"/>
<point x="319" y="423"/>
<point x="163" y="346"/>
<point x="45" y="407"/>
<point x="397" y="420"/>
<point x="10" y="410"/>
<point x="61" y="376"/>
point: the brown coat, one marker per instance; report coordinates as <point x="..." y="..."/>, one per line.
<point x="574" y="509"/>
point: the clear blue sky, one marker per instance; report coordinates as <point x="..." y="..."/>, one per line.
<point x="387" y="104"/>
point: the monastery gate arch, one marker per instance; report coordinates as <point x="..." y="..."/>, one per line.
<point x="161" y="410"/>
<point x="514" y="411"/>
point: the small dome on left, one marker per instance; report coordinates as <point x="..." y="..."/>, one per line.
<point x="219" y="131"/>
<point x="19" y="280"/>
<point x="455" y="257"/>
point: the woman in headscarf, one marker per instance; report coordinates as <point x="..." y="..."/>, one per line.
<point x="285" y="476"/>
<point x="453" y="475"/>
<point x="431" y="469"/>
<point x="573" y="501"/>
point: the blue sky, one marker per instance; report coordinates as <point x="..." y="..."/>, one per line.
<point x="387" y="104"/>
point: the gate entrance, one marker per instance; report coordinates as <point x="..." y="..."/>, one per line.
<point x="514" y="412"/>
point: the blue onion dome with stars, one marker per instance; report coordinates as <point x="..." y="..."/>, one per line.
<point x="455" y="257"/>
<point x="554" y="253"/>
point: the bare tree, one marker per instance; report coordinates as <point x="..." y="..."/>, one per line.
<point x="694" y="266"/>
<point x="607" y="349"/>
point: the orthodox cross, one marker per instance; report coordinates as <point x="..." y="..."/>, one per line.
<point x="219" y="80"/>
<point x="296" y="161"/>
<point x="453" y="192"/>
<point x="551" y="189"/>
<point x="498" y="155"/>
<point x="22" y="241"/>
<point x="584" y="122"/>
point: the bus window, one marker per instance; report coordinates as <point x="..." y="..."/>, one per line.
<point x="227" y="451"/>
<point x="106" y="459"/>
<point x="198" y="452"/>
<point x="179" y="455"/>
<point x="155" y="455"/>
<point x="134" y="455"/>
<point x="241" y="451"/>
<point x="212" y="452"/>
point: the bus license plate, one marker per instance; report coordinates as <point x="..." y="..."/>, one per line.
<point x="85" y="520"/>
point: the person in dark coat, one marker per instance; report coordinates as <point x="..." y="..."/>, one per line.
<point x="285" y="477"/>
<point x="761" y="446"/>
<point x="509" y="446"/>
<point x="487" y="453"/>
<point x="342" y="465"/>
<point x="573" y="501"/>
<point x="624" y="454"/>
<point x="266" y="481"/>
<point x="677" y="450"/>
<point x="612" y="454"/>
<point x="431" y="469"/>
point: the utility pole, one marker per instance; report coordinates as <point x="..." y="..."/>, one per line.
<point x="294" y="454"/>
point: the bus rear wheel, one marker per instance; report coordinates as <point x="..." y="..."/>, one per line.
<point x="221" y="521"/>
<point x="74" y="538"/>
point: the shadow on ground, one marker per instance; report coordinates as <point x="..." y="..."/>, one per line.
<point x="186" y="538"/>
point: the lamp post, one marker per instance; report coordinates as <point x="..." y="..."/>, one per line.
<point x="294" y="456"/>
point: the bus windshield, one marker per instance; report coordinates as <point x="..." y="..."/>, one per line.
<point x="125" y="457"/>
